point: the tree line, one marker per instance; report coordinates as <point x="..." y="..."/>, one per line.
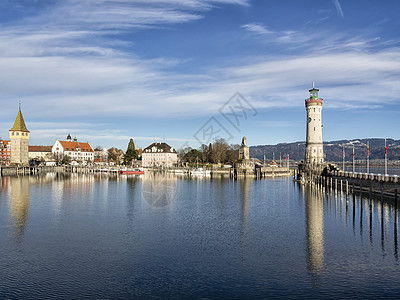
<point x="218" y="152"/>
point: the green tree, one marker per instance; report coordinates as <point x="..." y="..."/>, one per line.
<point x="114" y="155"/>
<point x="66" y="160"/>
<point x="193" y="156"/>
<point x="131" y="153"/>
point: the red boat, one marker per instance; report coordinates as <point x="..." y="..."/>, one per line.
<point x="131" y="172"/>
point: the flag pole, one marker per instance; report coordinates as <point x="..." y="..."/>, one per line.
<point x="386" y="148"/>
<point x="344" y="156"/>
<point x="288" y="162"/>
<point x="368" y="157"/>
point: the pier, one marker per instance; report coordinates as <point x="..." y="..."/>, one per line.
<point x="349" y="182"/>
<point x="13" y="171"/>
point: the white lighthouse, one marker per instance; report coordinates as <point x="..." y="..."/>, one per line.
<point x="314" y="145"/>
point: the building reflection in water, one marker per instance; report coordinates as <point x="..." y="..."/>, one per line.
<point x="131" y="196"/>
<point x="244" y="197"/>
<point x="19" y="205"/>
<point x="159" y="189"/>
<point x="4" y="187"/>
<point x="314" y="199"/>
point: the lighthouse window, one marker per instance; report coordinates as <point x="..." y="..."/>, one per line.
<point x="314" y="109"/>
<point x="314" y="128"/>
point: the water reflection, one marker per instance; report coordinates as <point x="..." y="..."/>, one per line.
<point x="19" y="205"/>
<point x="131" y="187"/>
<point x="244" y="200"/>
<point x="159" y="189"/>
<point x="315" y="229"/>
<point x="370" y="215"/>
<point x="5" y="186"/>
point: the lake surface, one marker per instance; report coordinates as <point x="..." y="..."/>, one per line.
<point x="161" y="236"/>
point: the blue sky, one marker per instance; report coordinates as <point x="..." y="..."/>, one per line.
<point x="175" y="70"/>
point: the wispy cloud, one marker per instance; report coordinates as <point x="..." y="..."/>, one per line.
<point x="123" y="14"/>
<point x="338" y="8"/>
<point x="257" y="28"/>
<point x="67" y="63"/>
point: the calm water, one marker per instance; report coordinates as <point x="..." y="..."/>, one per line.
<point x="85" y="236"/>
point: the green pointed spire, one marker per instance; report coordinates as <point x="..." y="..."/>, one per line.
<point x="19" y="124"/>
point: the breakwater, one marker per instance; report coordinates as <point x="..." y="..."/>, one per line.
<point x="12" y="171"/>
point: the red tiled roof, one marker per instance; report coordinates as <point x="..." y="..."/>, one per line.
<point x="71" y="146"/>
<point x="5" y="143"/>
<point x="40" y="148"/>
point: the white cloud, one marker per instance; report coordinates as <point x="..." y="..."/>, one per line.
<point x="338" y="8"/>
<point x="119" y="15"/>
<point x="74" y="71"/>
<point x="257" y="28"/>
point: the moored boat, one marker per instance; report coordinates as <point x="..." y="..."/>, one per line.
<point x="200" y="172"/>
<point x="136" y="171"/>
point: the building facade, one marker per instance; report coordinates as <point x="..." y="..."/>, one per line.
<point x="43" y="153"/>
<point x="159" y="155"/>
<point x="314" y="144"/>
<point x="101" y="156"/>
<point x="19" y="137"/>
<point x="77" y="151"/>
<point x="5" y="152"/>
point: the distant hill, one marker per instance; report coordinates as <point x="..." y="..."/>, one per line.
<point x="333" y="150"/>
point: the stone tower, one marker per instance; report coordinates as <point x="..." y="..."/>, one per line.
<point x="19" y="137"/>
<point x="244" y="154"/>
<point x="314" y="145"/>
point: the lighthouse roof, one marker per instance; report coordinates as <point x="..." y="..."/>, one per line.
<point x="19" y="124"/>
<point x="313" y="88"/>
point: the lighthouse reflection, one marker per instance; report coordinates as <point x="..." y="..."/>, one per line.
<point x="315" y="229"/>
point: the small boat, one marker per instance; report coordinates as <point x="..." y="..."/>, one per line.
<point x="136" y="171"/>
<point x="200" y="172"/>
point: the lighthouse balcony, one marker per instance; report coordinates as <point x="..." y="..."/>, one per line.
<point x="311" y="100"/>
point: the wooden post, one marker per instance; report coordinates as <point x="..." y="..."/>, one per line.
<point x="395" y="206"/>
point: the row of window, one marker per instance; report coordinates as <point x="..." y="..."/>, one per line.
<point x="158" y="154"/>
<point x="77" y="149"/>
<point x="80" y="154"/>
<point x="17" y="133"/>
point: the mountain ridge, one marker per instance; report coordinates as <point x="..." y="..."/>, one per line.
<point x="333" y="150"/>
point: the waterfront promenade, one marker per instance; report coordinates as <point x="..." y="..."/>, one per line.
<point x="378" y="184"/>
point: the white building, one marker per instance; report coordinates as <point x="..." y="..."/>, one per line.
<point x="40" y="152"/>
<point x="76" y="150"/>
<point x="314" y="145"/>
<point x="101" y="156"/>
<point x="159" y="155"/>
